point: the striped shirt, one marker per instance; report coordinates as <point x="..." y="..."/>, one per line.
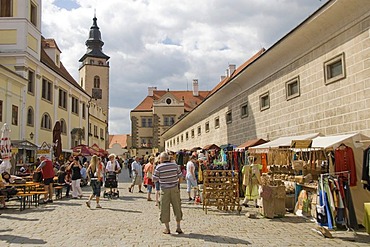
<point x="167" y="174"/>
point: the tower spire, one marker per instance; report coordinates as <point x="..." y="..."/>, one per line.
<point x="94" y="43"/>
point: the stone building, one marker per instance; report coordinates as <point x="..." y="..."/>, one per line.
<point x="314" y="79"/>
<point x="157" y="112"/>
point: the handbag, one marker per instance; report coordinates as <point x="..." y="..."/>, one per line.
<point x="37" y="177"/>
<point x="149" y="175"/>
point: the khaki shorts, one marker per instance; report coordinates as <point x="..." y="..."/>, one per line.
<point x="170" y="197"/>
<point x="137" y="180"/>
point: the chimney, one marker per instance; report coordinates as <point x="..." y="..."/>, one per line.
<point x="231" y="69"/>
<point x="195" y="87"/>
<point x="151" y="90"/>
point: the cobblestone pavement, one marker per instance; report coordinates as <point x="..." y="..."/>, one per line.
<point x="131" y="220"/>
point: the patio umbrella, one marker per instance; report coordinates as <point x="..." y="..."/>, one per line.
<point x="83" y="150"/>
<point x="5" y="149"/>
<point x="57" y="140"/>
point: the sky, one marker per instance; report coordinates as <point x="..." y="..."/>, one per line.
<point x="168" y="43"/>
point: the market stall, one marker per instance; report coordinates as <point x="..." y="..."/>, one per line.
<point x="308" y="165"/>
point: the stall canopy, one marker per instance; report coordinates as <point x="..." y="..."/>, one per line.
<point x="281" y="142"/>
<point x="335" y="140"/>
<point x="211" y="146"/>
<point x="251" y="143"/>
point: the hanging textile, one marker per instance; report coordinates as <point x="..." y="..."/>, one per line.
<point x="345" y="161"/>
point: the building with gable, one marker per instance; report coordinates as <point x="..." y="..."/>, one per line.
<point x="157" y="112"/>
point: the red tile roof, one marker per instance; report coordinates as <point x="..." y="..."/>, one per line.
<point x="62" y="71"/>
<point x="237" y="71"/>
<point x="49" y="43"/>
<point x="190" y="101"/>
<point x="120" y="139"/>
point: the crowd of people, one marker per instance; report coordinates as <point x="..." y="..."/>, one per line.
<point x="159" y="172"/>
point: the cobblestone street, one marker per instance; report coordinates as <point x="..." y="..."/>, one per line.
<point x="131" y="220"/>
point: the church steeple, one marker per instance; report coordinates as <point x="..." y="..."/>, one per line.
<point x="94" y="43"/>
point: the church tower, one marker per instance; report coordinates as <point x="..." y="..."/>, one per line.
<point x="94" y="78"/>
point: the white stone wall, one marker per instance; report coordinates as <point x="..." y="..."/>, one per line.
<point x="337" y="108"/>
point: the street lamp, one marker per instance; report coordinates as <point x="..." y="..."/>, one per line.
<point x="31" y="135"/>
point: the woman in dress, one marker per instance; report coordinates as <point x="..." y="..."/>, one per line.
<point x="76" y="167"/>
<point x="148" y="173"/>
<point x="95" y="173"/>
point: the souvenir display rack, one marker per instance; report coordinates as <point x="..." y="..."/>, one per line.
<point x="221" y="189"/>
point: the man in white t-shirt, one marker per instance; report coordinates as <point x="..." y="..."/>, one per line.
<point x="191" y="180"/>
<point x="137" y="175"/>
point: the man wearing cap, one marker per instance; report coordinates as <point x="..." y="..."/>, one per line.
<point x="48" y="174"/>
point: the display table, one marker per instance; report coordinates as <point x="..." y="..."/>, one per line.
<point x="221" y="189"/>
<point x="367" y="217"/>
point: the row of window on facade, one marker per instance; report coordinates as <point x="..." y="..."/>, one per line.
<point x="46" y="122"/>
<point x="95" y="134"/>
<point x="147" y="122"/>
<point x="334" y="70"/>
<point x="47" y="94"/>
<point x="6" y="10"/>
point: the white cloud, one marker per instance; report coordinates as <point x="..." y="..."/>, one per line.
<point x="168" y="43"/>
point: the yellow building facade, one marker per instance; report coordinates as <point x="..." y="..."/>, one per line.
<point x="36" y="90"/>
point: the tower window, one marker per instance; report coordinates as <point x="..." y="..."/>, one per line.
<point x="6" y="8"/>
<point x="96" y="82"/>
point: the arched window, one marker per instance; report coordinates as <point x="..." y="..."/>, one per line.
<point x="63" y="126"/>
<point x="30" y="116"/>
<point x="96" y="82"/>
<point x="46" y="121"/>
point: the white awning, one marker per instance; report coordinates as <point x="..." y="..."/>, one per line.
<point x="334" y="141"/>
<point x="281" y="142"/>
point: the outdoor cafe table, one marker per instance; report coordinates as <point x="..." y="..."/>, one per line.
<point x="29" y="193"/>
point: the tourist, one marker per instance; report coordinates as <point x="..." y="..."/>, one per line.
<point x="148" y="177"/>
<point x="95" y="173"/>
<point x="169" y="175"/>
<point x="83" y="174"/>
<point x="76" y="167"/>
<point x="157" y="184"/>
<point x="137" y="175"/>
<point x="112" y="168"/>
<point x="191" y="181"/>
<point x="46" y="167"/>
